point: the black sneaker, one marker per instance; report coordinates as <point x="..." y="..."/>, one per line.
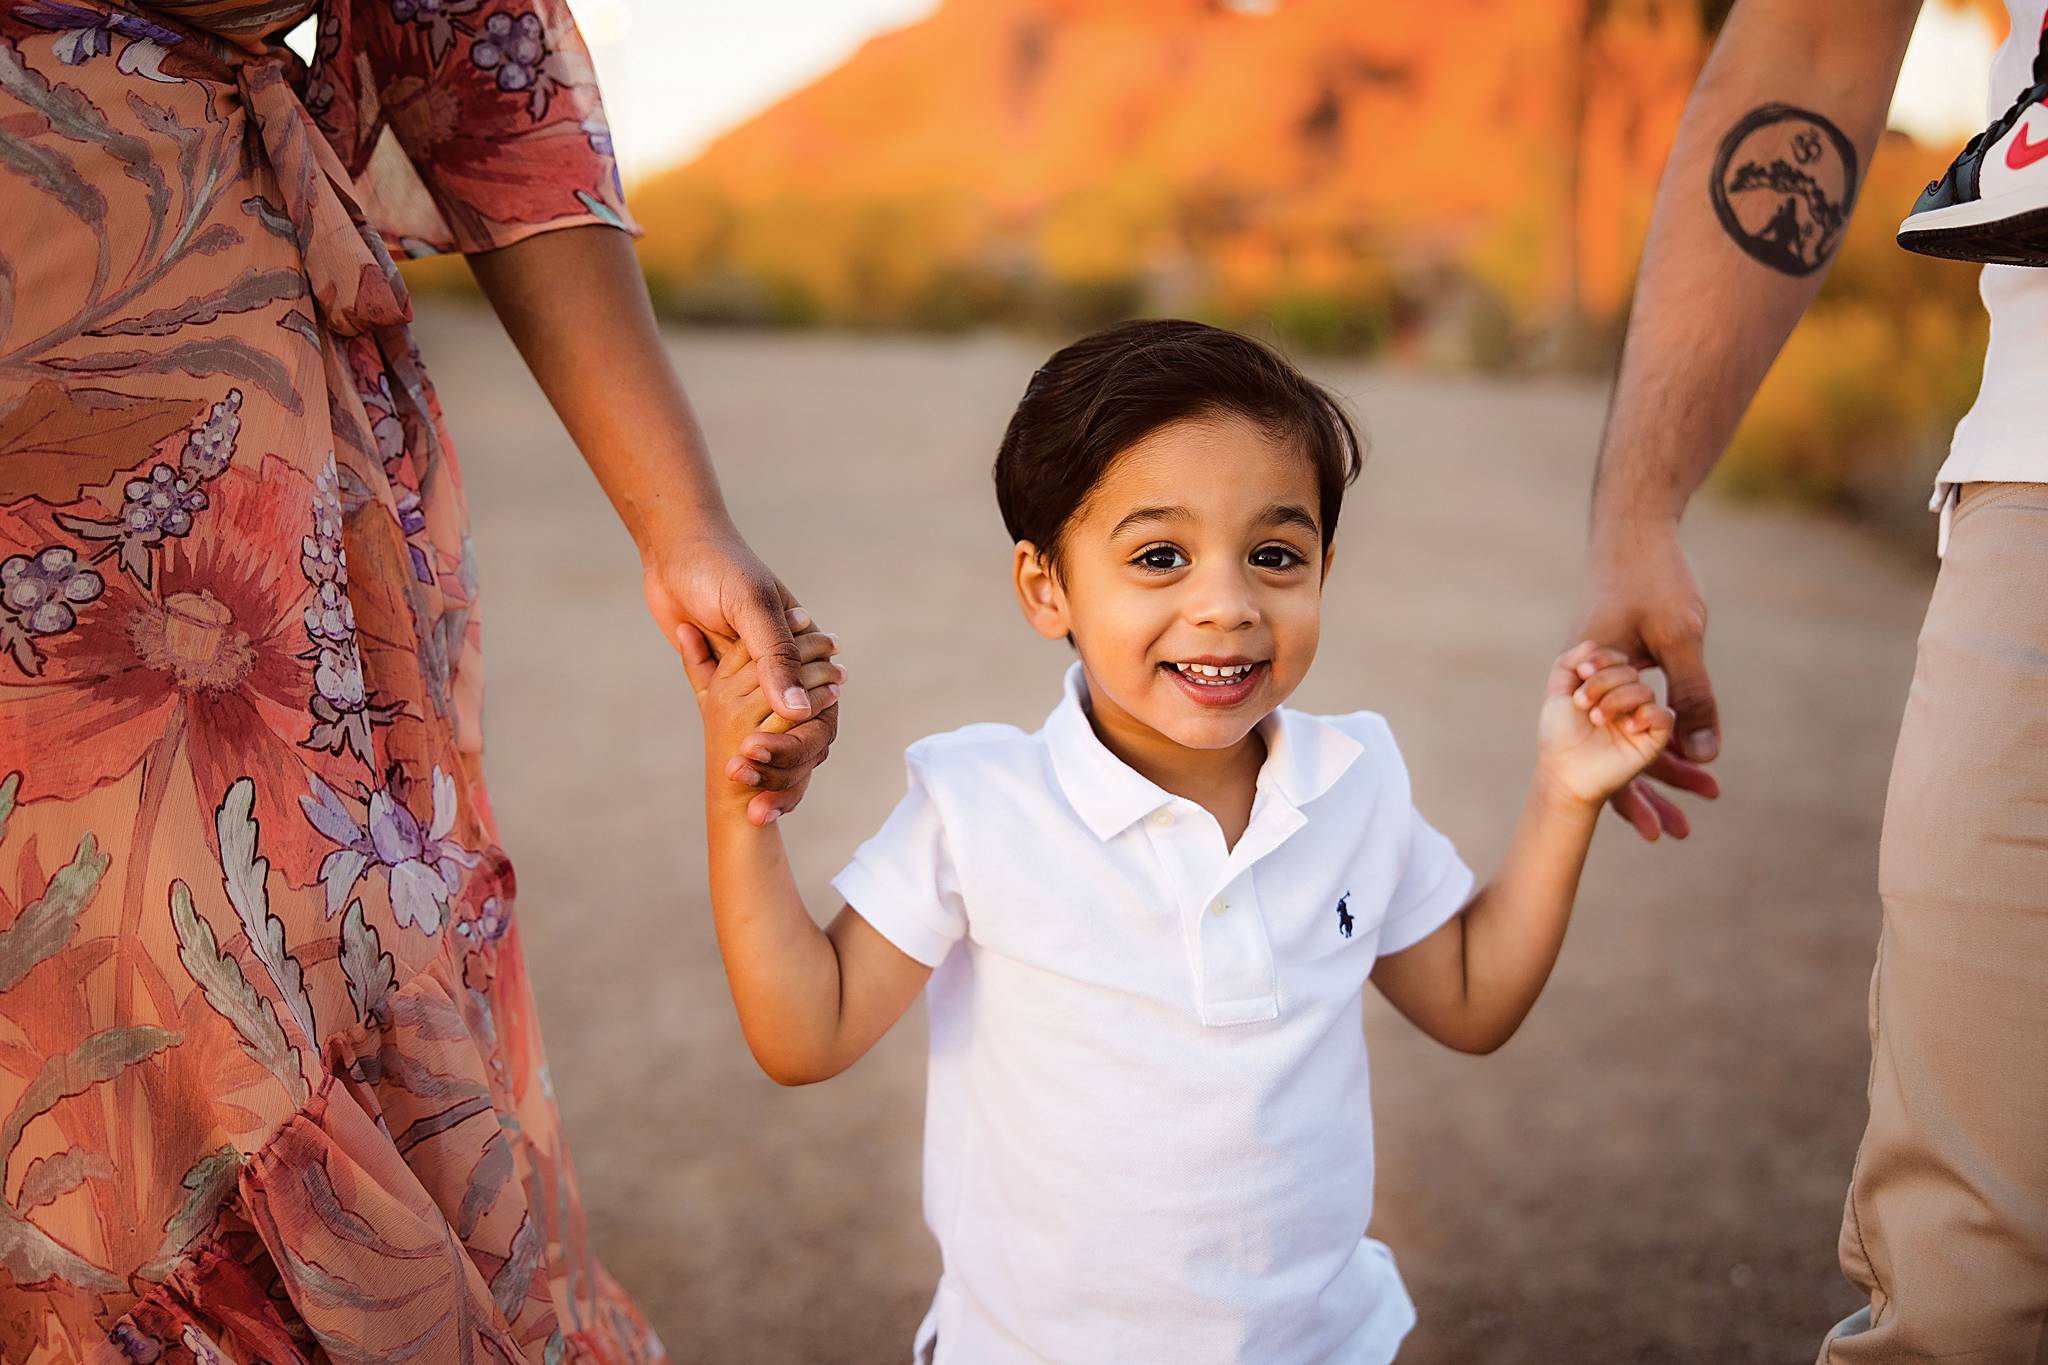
<point x="1991" y="204"/>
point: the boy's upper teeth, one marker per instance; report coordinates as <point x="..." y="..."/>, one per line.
<point x="1215" y="670"/>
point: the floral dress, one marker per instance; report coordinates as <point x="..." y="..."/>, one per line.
<point x="271" y="1087"/>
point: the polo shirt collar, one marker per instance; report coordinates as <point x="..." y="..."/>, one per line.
<point x="1304" y="758"/>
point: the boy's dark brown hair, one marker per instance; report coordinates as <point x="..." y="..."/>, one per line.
<point x="1106" y="392"/>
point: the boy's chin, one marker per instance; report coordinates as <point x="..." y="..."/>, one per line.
<point x="1203" y="731"/>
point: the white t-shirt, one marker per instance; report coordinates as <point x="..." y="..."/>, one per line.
<point x="2002" y="438"/>
<point x="1148" y="1132"/>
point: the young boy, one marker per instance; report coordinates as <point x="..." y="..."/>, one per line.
<point x="1146" y="927"/>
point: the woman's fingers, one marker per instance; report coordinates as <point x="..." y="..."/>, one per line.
<point x="699" y="663"/>
<point x="783" y="762"/>
<point x="812" y="645"/>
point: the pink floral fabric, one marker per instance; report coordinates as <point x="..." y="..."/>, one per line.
<point x="270" y="1083"/>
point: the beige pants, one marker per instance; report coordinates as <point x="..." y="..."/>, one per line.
<point x="1946" y="1227"/>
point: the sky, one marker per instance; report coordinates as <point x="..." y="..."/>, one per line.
<point x="676" y="73"/>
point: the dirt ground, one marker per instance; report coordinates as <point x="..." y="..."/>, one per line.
<point x="1652" y="1171"/>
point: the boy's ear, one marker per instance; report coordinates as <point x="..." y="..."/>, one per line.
<point x="1038" y="592"/>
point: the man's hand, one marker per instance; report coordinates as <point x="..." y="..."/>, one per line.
<point x="1645" y="603"/>
<point x="716" y="585"/>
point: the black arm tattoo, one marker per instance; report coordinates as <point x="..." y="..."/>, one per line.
<point x="1784" y="182"/>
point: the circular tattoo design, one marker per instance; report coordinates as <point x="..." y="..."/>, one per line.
<point x="1783" y="184"/>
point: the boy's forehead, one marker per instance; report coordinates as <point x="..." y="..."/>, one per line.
<point x="1214" y="466"/>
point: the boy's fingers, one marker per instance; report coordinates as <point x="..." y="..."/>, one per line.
<point x="1621" y="702"/>
<point x="1598" y="685"/>
<point x="1598" y="659"/>
<point x="1655" y="719"/>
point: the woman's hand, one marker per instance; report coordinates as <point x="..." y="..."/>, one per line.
<point x="715" y="587"/>
<point x="728" y="683"/>
<point x="1600" y="726"/>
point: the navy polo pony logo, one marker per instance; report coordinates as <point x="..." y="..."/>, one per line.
<point x="1344" y="914"/>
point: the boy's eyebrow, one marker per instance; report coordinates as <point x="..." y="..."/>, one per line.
<point x="1143" y="515"/>
<point x="1279" y="514"/>
<point x="1291" y="514"/>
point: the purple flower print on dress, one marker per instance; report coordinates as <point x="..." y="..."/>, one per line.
<point x="211" y="445"/>
<point x="85" y="33"/>
<point x="437" y="17"/>
<point x="486" y="926"/>
<point x="135" y="1346"/>
<point x="204" y="1352"/>
<point x="343" y="708"/>
<point x="423" y="866"/>
<point x="385" y="428"/>
<point x="161" y="504"/>
<point x="158" y="506"/>
<point x="514" y="49"/>
<point x="412" y="520"/>
<point x="40" y="595"/>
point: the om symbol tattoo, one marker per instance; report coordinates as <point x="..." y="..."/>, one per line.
<point x="1783" y="184"/>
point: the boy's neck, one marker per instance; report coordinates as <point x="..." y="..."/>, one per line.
<point x="1223" y="782"/>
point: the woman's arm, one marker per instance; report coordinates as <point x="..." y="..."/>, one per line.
<point x="811" y="1001"/>
<point x="575" y="305"/>
<point x="1470" y="984"/>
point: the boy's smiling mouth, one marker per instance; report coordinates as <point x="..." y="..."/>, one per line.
<point x="1217" y="682"/>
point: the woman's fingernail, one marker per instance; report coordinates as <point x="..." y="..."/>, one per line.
<point x="799" y="619"/>
<point x="1701" y="745"/>
<point x="832" y="690"/>
<point x="796" y="699"/>
<point x="773" y="816"/>
<point x="756" y="754"/>
<point x="748" y="777"/>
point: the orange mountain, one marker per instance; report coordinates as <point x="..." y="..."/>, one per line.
<point x="1235" y="157"/>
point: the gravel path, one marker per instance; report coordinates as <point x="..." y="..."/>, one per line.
<point x="1652" y="1171"/>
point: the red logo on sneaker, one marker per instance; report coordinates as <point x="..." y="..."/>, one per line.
<point x="2021" y="153"/>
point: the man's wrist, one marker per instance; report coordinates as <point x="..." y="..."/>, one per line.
<point x="1623" y="532"/>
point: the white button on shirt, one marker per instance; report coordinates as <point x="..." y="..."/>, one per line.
<point x="1148" y="1128"/>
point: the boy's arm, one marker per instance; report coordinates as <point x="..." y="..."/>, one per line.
<point x="811" y="1001"/>
<point x="1470" y="984"/>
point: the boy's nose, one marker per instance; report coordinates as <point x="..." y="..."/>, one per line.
<point x="1221" y="600"/>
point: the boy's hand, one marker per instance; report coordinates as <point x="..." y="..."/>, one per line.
<point x="729" y="698"/>
<point x="1600" y="725"/>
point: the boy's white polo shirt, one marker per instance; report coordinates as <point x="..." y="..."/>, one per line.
<point x="1148" y="1130"/>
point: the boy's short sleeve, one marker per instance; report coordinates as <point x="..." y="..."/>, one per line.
<point x="1433" y="882"/>
<point x="1434" y="885"/>
<point x="903" y="881"/>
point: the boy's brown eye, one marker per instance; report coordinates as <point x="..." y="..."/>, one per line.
<point x="1160" y="558"/>
<point x="1276" y="557"/>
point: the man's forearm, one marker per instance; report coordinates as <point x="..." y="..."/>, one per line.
<point x="575" y="305"/>
<point x="1754" y="202"/>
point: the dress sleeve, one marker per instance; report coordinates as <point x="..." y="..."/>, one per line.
<point x="903" y="882"/>
<point x="465" y="124"/>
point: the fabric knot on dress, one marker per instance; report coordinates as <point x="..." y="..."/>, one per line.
<point x="353" y="280"/>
